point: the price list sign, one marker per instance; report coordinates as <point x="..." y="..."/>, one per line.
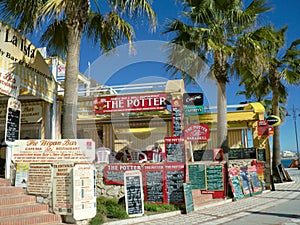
<point x="177" y="118"/>
<point x="134" y="193"/>
<point x="13" y="119"/>
<point x="175" y="149"/>
<point x="174" y="181"/>
<point x="153" y="176"/>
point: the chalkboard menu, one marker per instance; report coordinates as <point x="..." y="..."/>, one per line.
<point x="188" y="198"/>
<point x="134" y="193"/>
<point x="236" y="188"/>
<point x="13" y="119"/>
<point x="154" y="187"/>
<point x="245" y="181"/>
<point x="197" y="176"/>
<point x="174" y="149"/>
<point x="242" y="153"/>
<point x="203" y="155"/>
<point x="214" y="178"/>
<point x="174" y="182"/>
<point x="261" y="155"/>
<point x="177" y="118"/>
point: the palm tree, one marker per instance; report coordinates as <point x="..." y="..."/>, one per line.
<point x="66" y="21"/>
<point x="279" y="70"/>
<point x="207" y="34"/>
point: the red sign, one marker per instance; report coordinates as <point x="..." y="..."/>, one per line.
<point x="176" y="118"/>
<point x="196" y="132"/>
<point x="262" y="128"/>
<point x="132" y="103"/>
<point x="114" y="172"/>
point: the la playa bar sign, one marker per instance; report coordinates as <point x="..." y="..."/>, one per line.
<point x="130" y="103"/>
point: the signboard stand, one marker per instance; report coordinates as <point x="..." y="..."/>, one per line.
<point x="188" y="198"/>
<point x="12" y="129"/>
<point x="134" y="197"/>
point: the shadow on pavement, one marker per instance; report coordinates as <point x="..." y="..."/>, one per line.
<point x="296" y="216"/>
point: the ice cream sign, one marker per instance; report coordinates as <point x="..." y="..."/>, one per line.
<point x="196" y="132"/>
<point x="132" y="103"/>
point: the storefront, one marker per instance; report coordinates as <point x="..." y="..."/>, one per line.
<point x="26" y="78"/>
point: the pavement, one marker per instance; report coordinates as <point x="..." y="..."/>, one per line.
<point x="279" y="207"/>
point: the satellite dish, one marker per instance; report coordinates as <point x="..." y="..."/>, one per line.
<point x="273" y="120"/>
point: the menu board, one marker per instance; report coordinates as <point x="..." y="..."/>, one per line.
<point x="204" y="155"/>
<point x="214" y="178"/>
<point x="175" y="150"/>
<point x="84" y="192"/>
<point x="62" y="188"/>
<point x="39" y="179"/>
<point x="188" y="198"/>
<point x="177" y="118"/>
<point x="175" y="180"/>
<point x="197" y="176"/>
<point x="153" y="176"/>
<point x="13" y="120"/>
<point x="134" y="193"/>
<point x="245" y="181"/>
<point x="114" y="172"/>
<point x="261" y="155"/>
<point x="242" y="153"/>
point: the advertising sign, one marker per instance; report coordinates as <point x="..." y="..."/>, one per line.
<point x="9" y="83"/>
<point x="192" y="99"/>
<point x="177" y="118"/>
<point x="84" y="193"/>
<point x="50" y="151"/>
<point x="196" y="132"/>
<point x="262" y="128"/>
<point x="130" y="103"/>
<point x="190" y="110"/>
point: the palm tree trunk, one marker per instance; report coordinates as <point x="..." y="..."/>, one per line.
<point x="276" y="160"/>
<point x="69" y="123"/>
<point x="222" y="117"/>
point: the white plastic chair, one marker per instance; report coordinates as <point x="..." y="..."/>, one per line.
<point x="138" y="156"/>
<point x="102" y="155"/>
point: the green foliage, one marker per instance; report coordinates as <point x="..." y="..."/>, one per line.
<point x="113" y="209"/>
<point x="108" y="208"/>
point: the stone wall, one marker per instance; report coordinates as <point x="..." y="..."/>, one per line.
<point x="102" y="189"/>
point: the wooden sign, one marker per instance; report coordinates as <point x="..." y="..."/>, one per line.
<point x="134" y="198"/>
<point x="188" y="198"/>
<point x="154" y="188"/>
<point x="197" y="176"/>
<point x="214" y="178"/>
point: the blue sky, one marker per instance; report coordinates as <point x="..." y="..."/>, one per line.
<point x="283" y="13"/>
<point x="123" y="68"/>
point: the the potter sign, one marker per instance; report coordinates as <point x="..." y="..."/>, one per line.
<point x="132" y="103"/>
<point x="50" y="151"/>
<point x="196" y="132"/>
